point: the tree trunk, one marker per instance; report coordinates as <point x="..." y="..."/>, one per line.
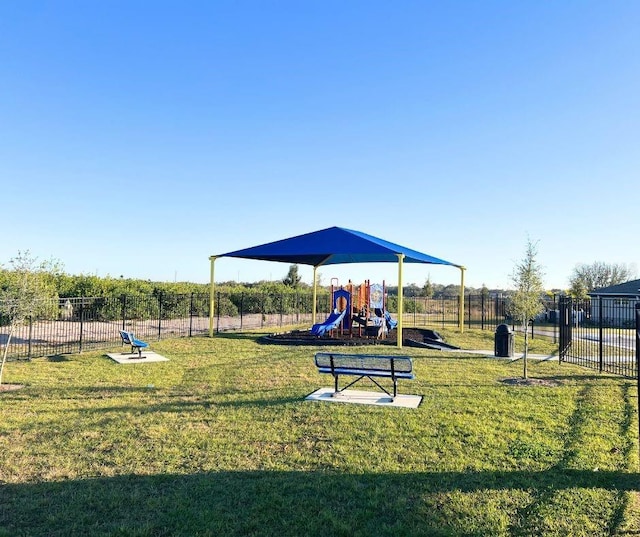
<point x="6" y="351"/>
<point x="526" y="351"/>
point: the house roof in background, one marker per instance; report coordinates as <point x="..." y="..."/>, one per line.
<point x="631" y="288"/>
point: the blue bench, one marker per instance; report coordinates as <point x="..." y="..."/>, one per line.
<point x="365" y="366"/>
<point x="129" y="339"/>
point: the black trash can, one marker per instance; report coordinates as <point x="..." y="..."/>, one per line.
<point x="503" y="342"/>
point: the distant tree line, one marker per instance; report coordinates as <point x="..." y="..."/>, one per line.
<point x="583" y="279"/>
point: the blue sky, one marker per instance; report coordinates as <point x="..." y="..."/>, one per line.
<point x="138" y="138"/>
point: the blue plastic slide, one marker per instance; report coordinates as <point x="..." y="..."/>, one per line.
<point x="333" y="321"/>
<point x="389" y="321"/>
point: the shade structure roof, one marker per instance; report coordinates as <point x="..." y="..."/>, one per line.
<point x="332" y="246"/>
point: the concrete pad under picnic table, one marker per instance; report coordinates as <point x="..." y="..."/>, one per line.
<point x="133" y="358"/>
<point x="361" y="397"/>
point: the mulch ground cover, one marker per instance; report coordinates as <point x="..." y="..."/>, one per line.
<point x="305" y="337"/>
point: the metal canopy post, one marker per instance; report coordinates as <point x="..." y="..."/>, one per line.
<point x="211" y="296"/>
<point x="638" y="371"/>
<point x="315" y="295"/>
<point x="400" y="301"/>
<point x="461" y="310"/>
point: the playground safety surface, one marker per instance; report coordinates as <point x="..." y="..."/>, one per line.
<point x="133" y="358"/>
<point x="364" y="398"/>
<point x="411" y="336"/>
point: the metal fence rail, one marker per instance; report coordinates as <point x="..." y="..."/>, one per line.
<point x="599" y="335"/>
<point x="602" y="340"/>
<point x="480" y="311"/>
<point x="77" y="324"/>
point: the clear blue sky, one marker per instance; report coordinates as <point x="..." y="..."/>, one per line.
<point x="138" y="138"/>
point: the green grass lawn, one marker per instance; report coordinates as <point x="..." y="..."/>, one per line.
<point x="219" y="441"/>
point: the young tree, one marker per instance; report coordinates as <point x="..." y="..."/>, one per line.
<point x="27" y="290"/>
<point x="526" y="302"/>
<point x="427" y="288"/>
<point x="484" y="291"/>
<point x="292" y="279"/>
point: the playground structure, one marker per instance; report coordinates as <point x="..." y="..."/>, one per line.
<point x="333" y="246"/>
<point x="357" y="310"/>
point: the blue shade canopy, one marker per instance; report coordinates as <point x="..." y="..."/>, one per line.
<point x="333" y="246"/>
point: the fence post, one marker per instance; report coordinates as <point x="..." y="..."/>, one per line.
<point x="600" y="334"/>
<point x="638" y="372"/>
<point x="191" y="315"/>
<point x="561" y="332"/>
<point x="159" y="314"/>
<point x="123" y="298"/>
<point x="565" y="305"/>
<point x="81" y="323"/>
<point x="218" y="314"/>
<point x="557" y="321"/>
<point x="30" y="336"/>
<point x="241" y="309"/>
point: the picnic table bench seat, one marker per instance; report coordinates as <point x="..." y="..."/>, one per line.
<point x="365" y="366"/>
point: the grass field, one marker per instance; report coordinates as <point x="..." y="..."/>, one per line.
<point x="219" y="441"/>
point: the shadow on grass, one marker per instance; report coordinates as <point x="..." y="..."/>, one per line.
<point x="240" y="336"/>
<point x="186" y="402"/>
<point x="579" y="379"/>
<point x="57" y="358"/>
<point x="271" y="502"/>
<point x="16" y="340"/>
<point x="167" y="402"/>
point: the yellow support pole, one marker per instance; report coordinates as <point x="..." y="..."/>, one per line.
<point x="461" y="312"/>
<point x="315" y="296"/>
<point x="400" y="300"/>
<point x="211" y="297"/>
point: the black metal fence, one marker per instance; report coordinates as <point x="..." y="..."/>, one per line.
<point x="77" y="324"/>
<point x="480" y="311"/>
<point x="599" y="334"/>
